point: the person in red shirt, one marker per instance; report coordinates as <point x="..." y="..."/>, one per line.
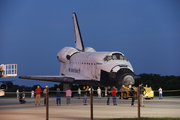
<point x="113" y="92"/>
<point x="38" y="95"/>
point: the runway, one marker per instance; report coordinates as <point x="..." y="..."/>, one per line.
<point x="10" y="109"/>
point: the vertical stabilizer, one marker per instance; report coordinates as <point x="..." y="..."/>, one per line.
<point x="77" y="34"/>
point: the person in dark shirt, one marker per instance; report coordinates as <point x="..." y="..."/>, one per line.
<point x="132" y="91"/>
<point x="85" y="90"/>
<point x="44" y="92"/>
<point x="58" y="96"/>
<point x="22" y="99"/>
<point x="108" y="94"/>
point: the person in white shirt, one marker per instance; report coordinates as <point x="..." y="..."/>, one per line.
<point x="32" y="94"/>
<point x="160" y="93"/>
<point x="79" y="93"/>
<point x="99" y="92"/>
<point x="17" y="93"/>
<point x="90" y="89"/>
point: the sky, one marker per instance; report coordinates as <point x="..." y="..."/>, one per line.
<point x="32" y="32"/>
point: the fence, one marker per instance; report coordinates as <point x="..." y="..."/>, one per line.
<point x="52" y="94"/>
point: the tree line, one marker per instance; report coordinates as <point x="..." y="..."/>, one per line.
<point x="156" y="81"/>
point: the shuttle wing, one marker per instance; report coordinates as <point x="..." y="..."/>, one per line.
<point x="63" y="79"/>
<point x="59" y="78"/>
<point x="77" y="34"/>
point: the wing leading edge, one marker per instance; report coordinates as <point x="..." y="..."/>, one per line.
<point x="63" y="79"/>
<point x="50" y="78"/>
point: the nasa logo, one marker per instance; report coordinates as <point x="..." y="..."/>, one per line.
<point x="74" y="70"/>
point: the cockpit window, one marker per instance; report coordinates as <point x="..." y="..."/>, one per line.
<point x="115" y="56"/>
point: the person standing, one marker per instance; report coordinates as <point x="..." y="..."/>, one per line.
<point x="113" y="91"/>
<point x="17" y="93"/>
<point x="89" y="88"/>
<point x="38" y="95"/>
<point x="141" y="94"/>
<point x="44" y="92"/>
<point x="79" y="93"/>
<point x="32" y="94"/>
<point x="99" y="92"/>
<point x="132" y="91"/>
<point x="160" y="93"/>
<point x="108" y="94"/>
<point x="58" y="96"/>
<point x="68" y="96"/>
<point x="85" y="95"/>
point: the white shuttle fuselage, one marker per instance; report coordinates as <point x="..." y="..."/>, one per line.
<point x="85" y="66"/>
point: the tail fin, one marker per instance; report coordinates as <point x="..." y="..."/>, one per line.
<point x="77" y="34"/>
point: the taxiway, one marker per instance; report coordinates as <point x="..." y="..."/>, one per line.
<point x="10" y="109"/>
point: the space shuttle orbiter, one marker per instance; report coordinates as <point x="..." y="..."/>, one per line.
<point x="83" y="65"/>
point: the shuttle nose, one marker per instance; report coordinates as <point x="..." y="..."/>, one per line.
<point x="128" y="80"/>
<point x="3" y="86"/>
<point x="122" y="76"/>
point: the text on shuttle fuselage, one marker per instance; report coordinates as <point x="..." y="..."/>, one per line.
<point x="74" y="70"/>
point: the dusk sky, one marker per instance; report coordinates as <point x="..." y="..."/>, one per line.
<point x="33" y="31"/>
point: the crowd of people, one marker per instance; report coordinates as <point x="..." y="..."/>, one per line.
<point x="111" y="92"/>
